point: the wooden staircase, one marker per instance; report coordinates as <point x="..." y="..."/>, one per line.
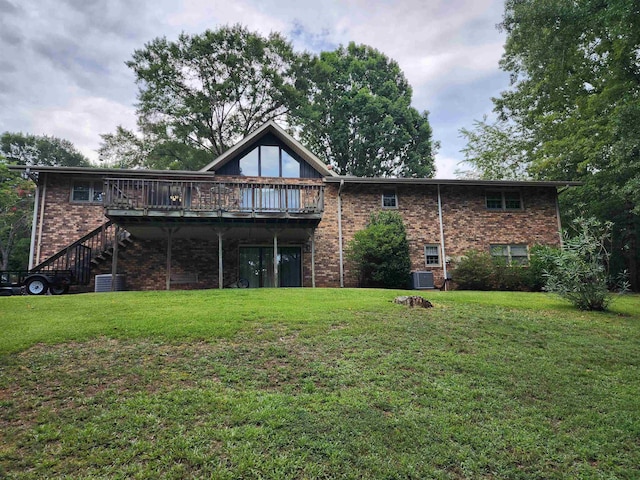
<point x="90" y="250"/>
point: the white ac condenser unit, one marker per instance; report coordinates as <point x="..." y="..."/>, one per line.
<point x="422" y="280"/>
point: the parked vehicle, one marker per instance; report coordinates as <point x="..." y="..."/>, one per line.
<point x="15" y="282"/>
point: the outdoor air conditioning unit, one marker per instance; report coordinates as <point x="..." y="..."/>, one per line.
<point x="421" y="280"/>
<point x="103" y="283"/>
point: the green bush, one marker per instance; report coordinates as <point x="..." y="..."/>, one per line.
<point x="475" y="271"/>
<point x="579" y="270"/>
<point x="540" y="264"/>
<point x="380" y="252"/>
<point x="478" y="270"/>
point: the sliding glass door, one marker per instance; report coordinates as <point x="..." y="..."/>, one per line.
<point x="256" y="265"/>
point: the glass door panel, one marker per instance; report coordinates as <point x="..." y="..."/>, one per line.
<point x="256" y="266"/>
<point x="250" y="267"/>
<point x="290" y="267"/>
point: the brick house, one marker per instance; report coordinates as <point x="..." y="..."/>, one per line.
<point x="268" y="194"/>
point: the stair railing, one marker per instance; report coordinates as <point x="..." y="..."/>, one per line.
<point x="78" y="255"/>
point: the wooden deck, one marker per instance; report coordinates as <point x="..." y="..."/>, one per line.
<point x="197" y="200"/>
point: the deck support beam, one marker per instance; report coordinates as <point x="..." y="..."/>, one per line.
<point x="220" y="268"/>
<point x="114" y="258"/>
<point x="169" y="241"/>
<point x="170" y="233"/>
<point x="312" y="237"/>
<point x="275" y="259"/>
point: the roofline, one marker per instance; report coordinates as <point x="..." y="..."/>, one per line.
<point x="450" y="181"/>
<point x="110" y="172"/>
<point x="272" y="127"/>
<point x="119" y="172"/>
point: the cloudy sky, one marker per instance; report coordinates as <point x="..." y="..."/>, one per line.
<point x="62" y="70"/>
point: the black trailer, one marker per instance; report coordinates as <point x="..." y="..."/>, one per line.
<point x="72" y="266"/>
<point x="16" y="282"/>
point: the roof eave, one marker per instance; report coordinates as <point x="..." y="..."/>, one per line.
<point x="110" y="172"/>
<point x="450" y="181"/>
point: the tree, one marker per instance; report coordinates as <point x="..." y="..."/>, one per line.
<point x="27" y="149"/>
<point x="381" y="252"/>
<point x="16" y="203"/>
<point x="16" y="193"/>
<point x="574" y="100"/>
<point x="124" y="149"/>
<point x="358" y="116"/>
<point x="202" y="93"/>
<point x="495" y="151"/>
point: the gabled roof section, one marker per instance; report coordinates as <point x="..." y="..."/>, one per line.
<point x="288" y="140"/>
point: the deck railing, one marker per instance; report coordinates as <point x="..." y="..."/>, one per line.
<point x="212" y="196"/>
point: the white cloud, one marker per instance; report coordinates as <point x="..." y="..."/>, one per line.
<point x="81" y="119"/>
<point x="446" y="166"/>
<point x="199" y="15"/>
<point x="62" y="70"/>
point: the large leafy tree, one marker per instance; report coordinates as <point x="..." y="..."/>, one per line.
<point x="202" y="93"/>
<point x="16" y="193"/>
<point x="359" y="117"/>
<point x="575" y="106"/>
<point x="27" y="149"/>
<point x="16" y="202"/>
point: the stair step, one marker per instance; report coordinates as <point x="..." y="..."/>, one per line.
<point x="98" y="257"/>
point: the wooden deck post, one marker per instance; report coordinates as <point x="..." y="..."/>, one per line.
<point x="114" y="258"/>
<point x="313" y="258"/>
<point x="220" y="269"/>
<point x="275" y="259"/>
<point x="169" y="238"/>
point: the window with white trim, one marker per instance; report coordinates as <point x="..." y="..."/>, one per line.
<point x="503" y="200"/>
<point x="432" y="255"/>
<point x="86" y="192"/>
<point x="512" y="254"/>
<point x="389" y="199"/>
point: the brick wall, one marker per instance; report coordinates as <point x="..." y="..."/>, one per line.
<point x="467" y="224"/>
<point x="64" y="221"/>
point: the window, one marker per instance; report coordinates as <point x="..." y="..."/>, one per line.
<point x="389" y="199"/>
<point x="503" y="201"/>
<point x="90" y="192"/>
<point x="270" y="199"/>
<point x="269" y="161"/>
<point x="432" y="255"/>
<point x="512" y="254"/>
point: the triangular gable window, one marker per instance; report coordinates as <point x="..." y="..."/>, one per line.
<point x="269" y="161"/>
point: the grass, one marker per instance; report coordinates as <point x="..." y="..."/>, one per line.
<point x="317" y="384"/>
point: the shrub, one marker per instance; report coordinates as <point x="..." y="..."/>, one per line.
<point x="380" y="252"/>
<point x="475" y="271"/>
<point x="478" y="270"/>
<point x="580" y="269"/>
<point x="540" y="264"/>
<point x="509" y="277"/>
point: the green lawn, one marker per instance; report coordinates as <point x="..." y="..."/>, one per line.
<point x="302" y="383"/>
